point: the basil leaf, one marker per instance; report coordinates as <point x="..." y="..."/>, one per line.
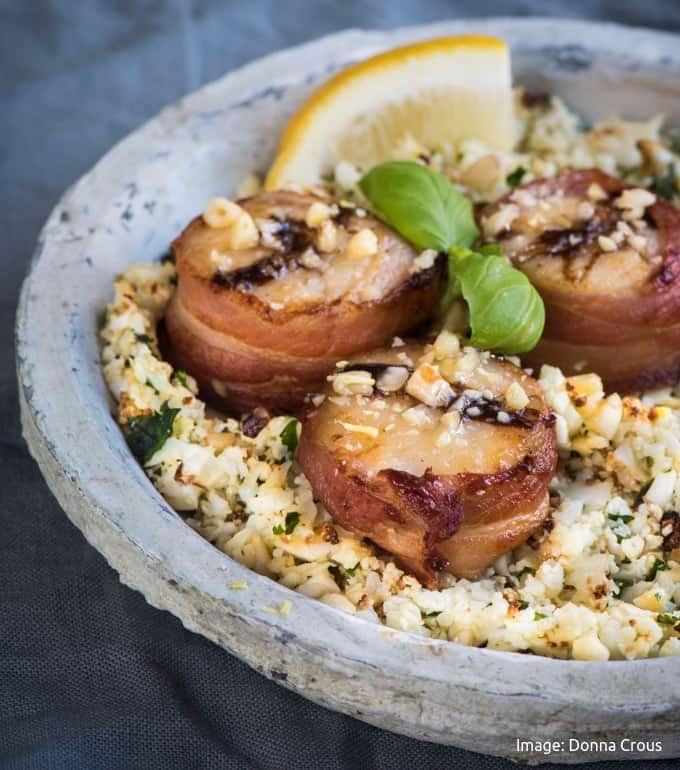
<point x="420" y="204"/>
<point x="506" y="312"/>
<point x="289" y="436"/>
<point x="147" y="433"/>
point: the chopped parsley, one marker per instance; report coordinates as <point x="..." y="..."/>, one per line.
<point x="624" y="517"/>
<point x="623" y="583"/>
<point x="181" y="377"/>
<point x="539" y="615"/>
<point x="144" y="338"/>
<point x="643" y="491"/>
<point x="289" y="436"/>
<point x="659" y="566"/>
<point x="649" y="461"/>
<point x="147" y="433"/>
<point x="516" y="176"/>
<point x="526" y="570"/>
<point x="292" y="520"/>
<point x="667" y="619"/>
<point x="523" y="604"/>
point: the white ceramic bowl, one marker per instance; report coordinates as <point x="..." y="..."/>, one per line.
<point x="127" y="209"/>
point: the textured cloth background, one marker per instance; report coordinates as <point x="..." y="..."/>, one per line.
<point x="90" y="676"/>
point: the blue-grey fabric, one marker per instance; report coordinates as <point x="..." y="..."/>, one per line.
<point x="90" y="675"/>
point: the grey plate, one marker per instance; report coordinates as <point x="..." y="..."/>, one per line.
<point x="127" y="209"/>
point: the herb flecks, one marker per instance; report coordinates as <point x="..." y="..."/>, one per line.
<point x="147" y="433"/>
<point x="515" y="177"/>
<point x="289" y="436"/>
<point x="292" y="520"/>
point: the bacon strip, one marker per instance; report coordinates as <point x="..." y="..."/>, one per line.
<point x="614" y="312"/>
<point x="269" y="328"/>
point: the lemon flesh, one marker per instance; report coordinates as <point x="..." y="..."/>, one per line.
<point x="437" y="93"/>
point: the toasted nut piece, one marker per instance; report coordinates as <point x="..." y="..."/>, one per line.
<point x="596" y="193"/>
<point x="243" y="233"/>
<point x="606" y="243"/>
<point x="446" y="345"/>
<point x="636" y="198"/>
<point x="501" y="220"/>
<point x="327" y="239"/>
<point x="427" y="385"/>
<point x="516" y="397"/>
<point x="220" y="441"/>
<point x="353" y="383"/>
<point x="362" y="244"/>
<point x="221" y="212"/>
<point x="317" y="213"/>
<point x="392" y="379"/>
<point x="482" y="174"/>
<point x="366" y="430"/>
<point x="423" y="261"/>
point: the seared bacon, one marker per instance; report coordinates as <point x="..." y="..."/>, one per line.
<point x="263" y="325"/>
<point x="441" y="457"/>
<point x="605" y="257"/>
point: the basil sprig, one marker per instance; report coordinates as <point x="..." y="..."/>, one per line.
<point x="506" y="312"/>
<point x="420" y="204"/>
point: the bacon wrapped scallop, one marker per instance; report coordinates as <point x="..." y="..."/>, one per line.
<point x="440" y="456"/>
<point x="274" y="290"/>
<point x="605" y="258"/>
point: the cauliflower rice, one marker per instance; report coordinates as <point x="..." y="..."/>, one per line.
<point x="601" y="580"/>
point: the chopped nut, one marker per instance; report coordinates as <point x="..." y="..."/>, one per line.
<point x="618" y="237"/>
<point x="638" y="242"/>
<point x="366" y="430"/>
<point x="451" y="420"/>
<point x="357" y="383"/>
<point x="243" y="233"/>
<point x="317" y="213"/>
<point x="515" y="397"/>
<point x="327" y="239"/>
<point x="221" y="212"/>
<point x="220" y="441"/>
<point x="427" y="385"/>
<point x="446" y="345"/>
<point x="311" y="260"/>
<point x="501" y="220"/>
<point x="636" y="198"/>
<point x="606" y="244"/>
<point x="392" y="379"/>
<point x="362" y="244"/>
<point x="596" y="193"/>
<point x="482" y="174"/>
<point x="423" y="261"/>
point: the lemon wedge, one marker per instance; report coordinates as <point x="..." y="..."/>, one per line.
<point x="436" y="93"/>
